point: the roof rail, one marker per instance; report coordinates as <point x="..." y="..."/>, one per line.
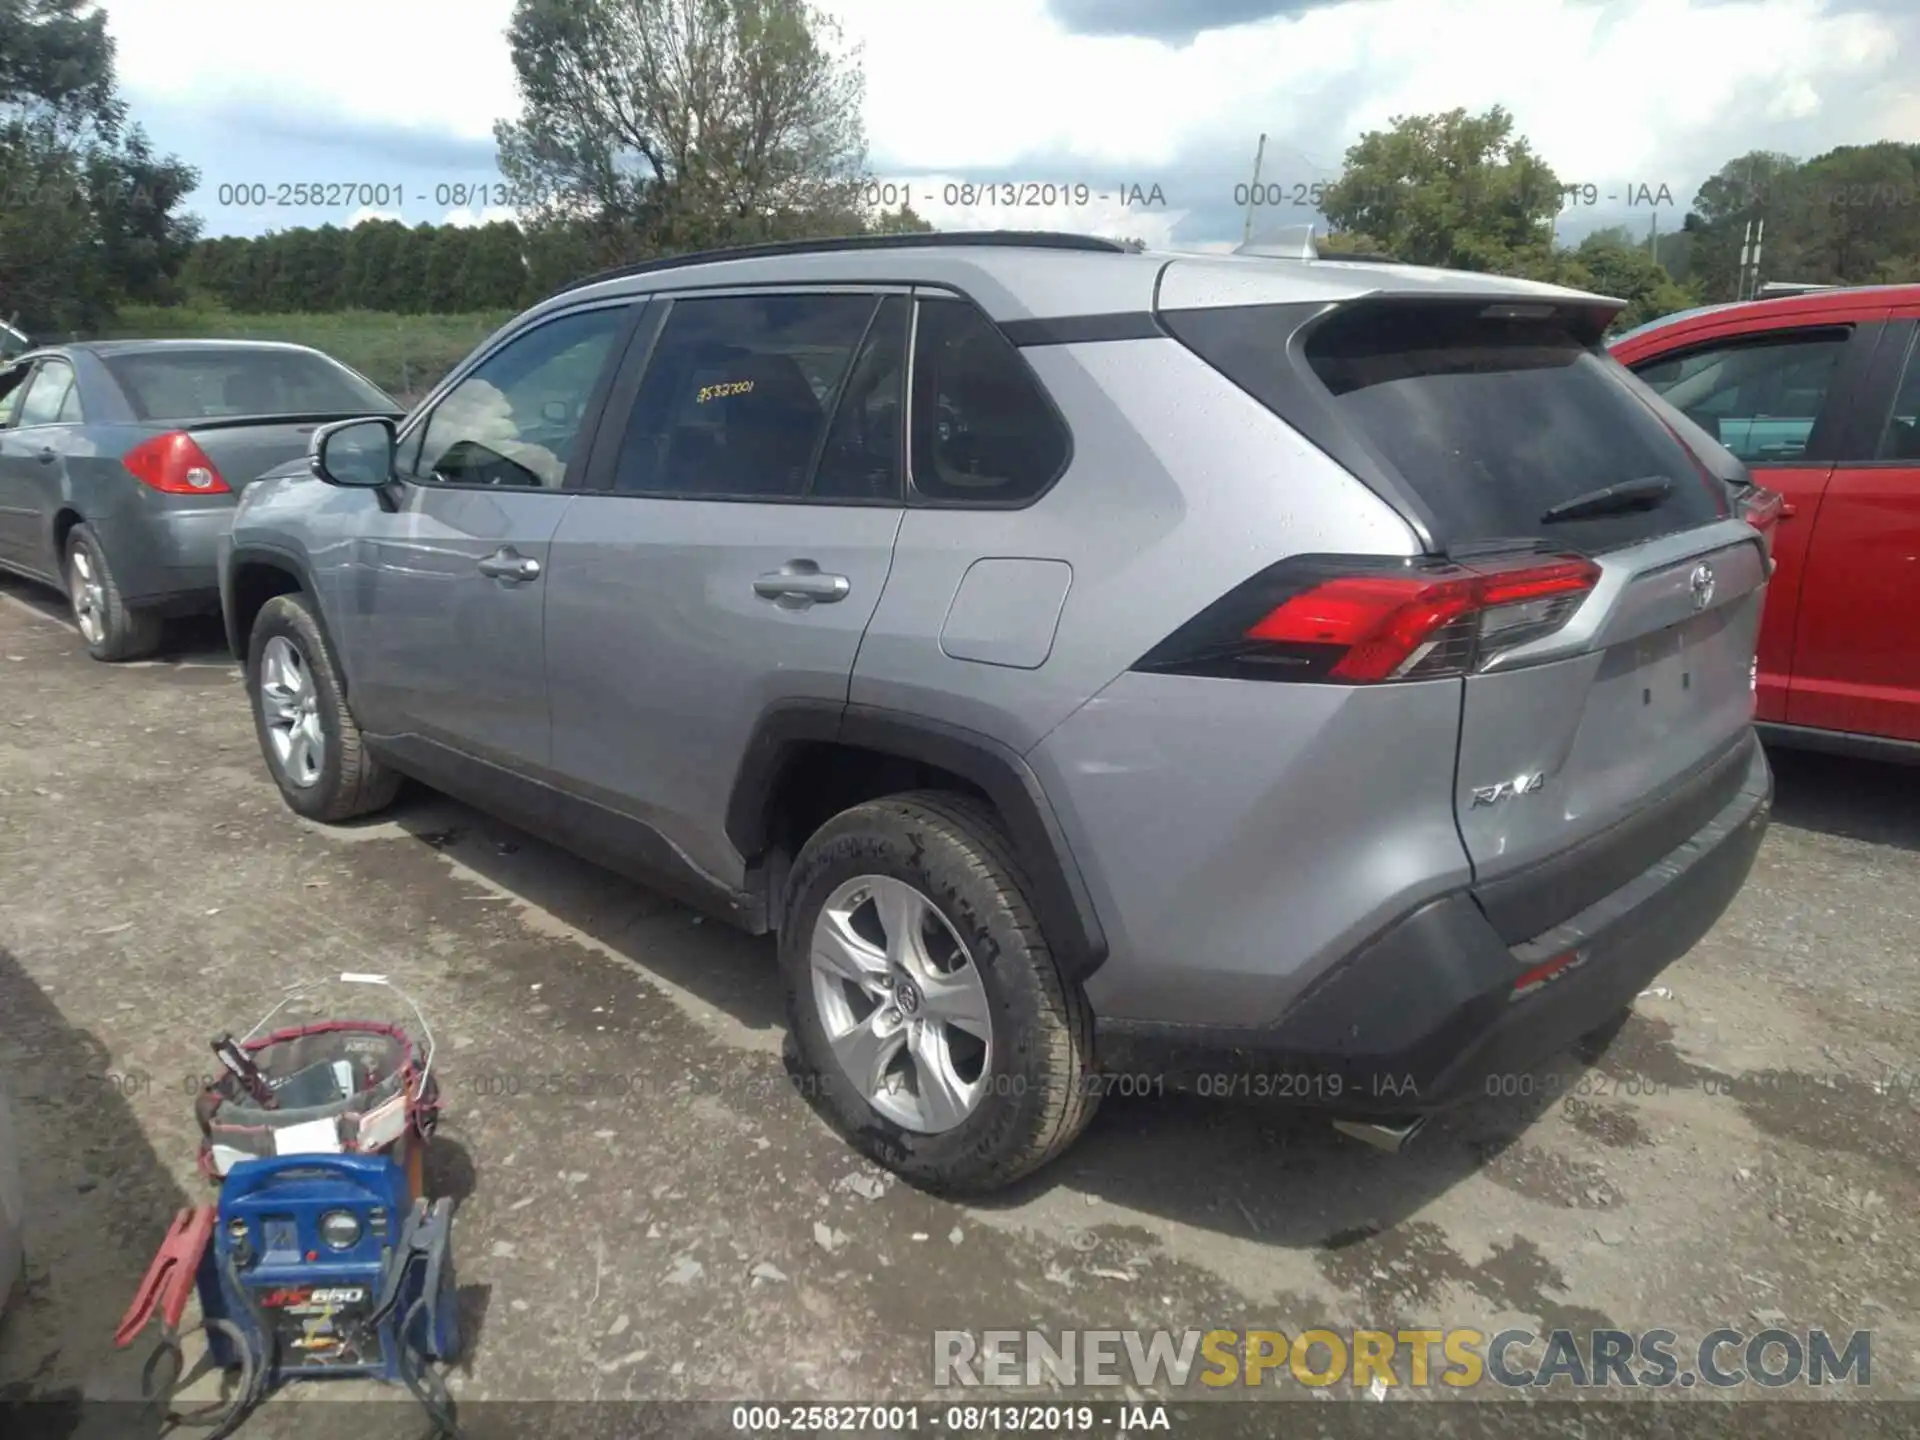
<point x="827" y="245"/>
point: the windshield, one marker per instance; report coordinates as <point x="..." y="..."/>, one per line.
<point x="215" y="383"/>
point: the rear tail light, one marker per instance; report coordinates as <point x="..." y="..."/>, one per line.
<point x="1363" y="620"/>
<point x="174" y="464"/>
<point x="1762" y="508"/>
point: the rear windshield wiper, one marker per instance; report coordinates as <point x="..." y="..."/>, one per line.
<point x="1616" y="499"/>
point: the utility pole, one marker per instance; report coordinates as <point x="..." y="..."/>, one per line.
<point x="1253" y="190"/>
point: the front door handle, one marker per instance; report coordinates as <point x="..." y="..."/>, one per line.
<point x="48" y="455"/>
<point x="509" y="564"/>
<point x="802" y="582"/>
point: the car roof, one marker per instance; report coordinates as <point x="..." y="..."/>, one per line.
<point x="1812" y="304"/>
<point x="179" y="345"/>
<point x="1033" y="275"/>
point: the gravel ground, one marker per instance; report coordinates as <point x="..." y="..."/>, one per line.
<point x="649" y="1212"/>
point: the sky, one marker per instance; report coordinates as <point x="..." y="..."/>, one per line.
<point x="1143" y="116"/>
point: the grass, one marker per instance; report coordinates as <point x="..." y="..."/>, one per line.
<point x="402" y="354"/>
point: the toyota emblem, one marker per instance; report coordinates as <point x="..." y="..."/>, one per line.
<point x="1701" y="584"/>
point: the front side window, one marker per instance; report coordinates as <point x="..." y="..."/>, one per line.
<point x="513" y="420"/>
<point x="983" y="433"/>
<point x="1761" y="398"/>
<point x="46" y="394"/>
<point x="739" y="393"/>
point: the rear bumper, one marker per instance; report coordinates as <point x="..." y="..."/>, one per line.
<point x="166" y="559"/>
<point x="1425" y="1014"/>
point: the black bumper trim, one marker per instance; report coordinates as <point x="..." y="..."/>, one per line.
<point x="1424" y="1016"/>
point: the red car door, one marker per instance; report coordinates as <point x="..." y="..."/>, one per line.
<point x="1770" y="381"/>
<point x="1856" y="665"/>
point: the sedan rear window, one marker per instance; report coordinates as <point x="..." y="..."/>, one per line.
<point x="1494" y="416"/>
<point x="212" y="384"/>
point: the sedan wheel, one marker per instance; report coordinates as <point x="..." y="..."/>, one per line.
<point x="291" y="707"/>
<point x="904" y="1009"/>
<point x="89" y="598"/>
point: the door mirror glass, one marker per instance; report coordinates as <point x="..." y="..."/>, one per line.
<point x="354" y="452"/>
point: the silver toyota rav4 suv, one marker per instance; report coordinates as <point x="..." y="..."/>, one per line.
<point x="1284" y="676"/>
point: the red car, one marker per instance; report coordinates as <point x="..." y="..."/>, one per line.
<point x="1819" y="395"/>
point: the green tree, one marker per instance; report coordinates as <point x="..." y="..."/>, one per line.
<point x="1848" y="217"/>
<point x="1452" y="189"/>
<point x="447" y="270"/>
<point x="683" y="124"/>
<point x="88" y="213"/>
<point x="1610" y="263"/>
<point x="496" y="270"/>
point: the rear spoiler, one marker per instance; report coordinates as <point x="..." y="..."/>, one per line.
<point x="241" y="422"/>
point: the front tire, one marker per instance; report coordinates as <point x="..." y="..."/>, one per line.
<point x="313" y="747"/>
<point x="112" y="629"/>
<point x="930" y="1023"/>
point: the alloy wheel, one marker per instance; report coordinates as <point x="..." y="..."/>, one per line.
<point x="89" y="594"/>
<point x="291" y="706"/>
<point x="902" y="1003"/>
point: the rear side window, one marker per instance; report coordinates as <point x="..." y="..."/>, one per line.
<point x="1490" y="419"/>
<point x="738" y="394"/>
<point x="47" y="394"/>
<point x="209" y="384"/>
<point x="983" y="431"/>
<point x="1761" y="398"/>
<point x="1902" y="438"/>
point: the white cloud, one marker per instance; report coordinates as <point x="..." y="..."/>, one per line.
<point x="439" y="66"/>
<point x="465" y="215"/>
<point x="1628" y="92"/>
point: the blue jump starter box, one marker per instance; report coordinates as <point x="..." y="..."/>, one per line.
<point x="312" y="1239"/>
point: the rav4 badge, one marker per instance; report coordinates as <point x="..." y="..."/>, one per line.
<point x="1506" y="789"/>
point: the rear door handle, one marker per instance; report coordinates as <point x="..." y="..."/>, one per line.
<point x="802" y="580"/>
<point x="509" y="564"/>
<point x="48" y="455"/>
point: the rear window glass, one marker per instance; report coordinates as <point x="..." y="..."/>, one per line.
<point x="210" y="384"/>
<point x="1490" y="421"/>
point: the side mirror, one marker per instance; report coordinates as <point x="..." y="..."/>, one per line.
<point x="354" y="453"/>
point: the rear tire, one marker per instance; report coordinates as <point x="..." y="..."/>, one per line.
<point x="111" y="629"/>
<point x="1027" y="1086"/>
<point x="312" y="745"/>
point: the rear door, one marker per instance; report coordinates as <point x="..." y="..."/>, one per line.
<point x="1857" y="648"/>
<point x="1773" y="389"/>
<point x="745" y="497"/>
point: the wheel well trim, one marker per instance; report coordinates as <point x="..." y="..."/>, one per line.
<point x="1062" y="902"/>
<point x="273" y="557"/>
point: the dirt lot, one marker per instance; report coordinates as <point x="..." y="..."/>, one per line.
<point x="649" y="1212"/>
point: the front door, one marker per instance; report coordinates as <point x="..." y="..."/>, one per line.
<point x="730" y="552"/>
<point x="1857" y="651"/>
<point x="1775" y="397"/>
<point x="447" y="591"/>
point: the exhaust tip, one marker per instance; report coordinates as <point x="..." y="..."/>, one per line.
<point x="1388" y="1135"/>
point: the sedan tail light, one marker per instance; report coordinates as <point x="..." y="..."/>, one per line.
<point x="1364" y="620"/>
<point x="175" y="465"/>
